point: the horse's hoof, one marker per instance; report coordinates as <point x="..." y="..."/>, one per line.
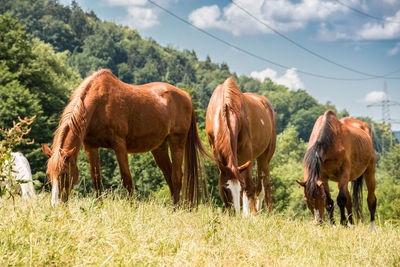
<point x="372" y="227"/>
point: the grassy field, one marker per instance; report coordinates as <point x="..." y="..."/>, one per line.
<point x="127" y="232"/>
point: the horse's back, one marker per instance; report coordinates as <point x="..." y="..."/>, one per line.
<point x="143" y="115"/>
<point x="164" y="104"/>
<point x="358" y="124"/>
<point x="359" y="131"/>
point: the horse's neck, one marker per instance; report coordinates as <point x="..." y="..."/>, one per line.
<point x="71" y="141"/>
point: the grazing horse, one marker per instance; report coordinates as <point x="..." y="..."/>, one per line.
<point x="340" y="151"/>
<point x="241" y="127"/>
<point x="21" y="170"/>
<point x="106" y="112"/>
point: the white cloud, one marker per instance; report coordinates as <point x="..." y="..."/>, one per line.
<point x="325" y="34"/>
<point x="141" y="17"/>
<point x="290" y="79"/>
<point x="141" y="13"/>
<point x="282" y="15"/>
<point x="126" y="2"/>
<point x="395" y="50"/>
<point x="390" y="2"/>
<point x="381" y="31"/>
<point x="206" y="17"/>
<point x="375" y="96"/>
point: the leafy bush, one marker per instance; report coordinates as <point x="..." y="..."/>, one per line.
<point x="9" y="139"/>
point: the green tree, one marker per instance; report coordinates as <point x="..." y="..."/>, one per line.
<point x="34" y="80"/>
<point x="286" y="168"/>
<point x="388" y="184"/>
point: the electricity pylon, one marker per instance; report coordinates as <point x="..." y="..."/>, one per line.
<point x="385" y="105"/>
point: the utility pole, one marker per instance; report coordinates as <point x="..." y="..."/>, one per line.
<point x="385" y="105"/>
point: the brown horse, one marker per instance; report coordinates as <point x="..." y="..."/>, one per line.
<point x="105" y="112"/>
<point x="340" y="151"/>
<point x="241" y="127"/>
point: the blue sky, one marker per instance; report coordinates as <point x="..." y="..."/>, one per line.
<point x="328" y="28"/>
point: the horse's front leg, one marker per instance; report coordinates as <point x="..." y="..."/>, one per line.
<point x="92" y="153"/>
<point x="342" y="197"/>
<point x="349" y="207"/>
<point x="248" y="193"/>
<point x="329" y="202"/>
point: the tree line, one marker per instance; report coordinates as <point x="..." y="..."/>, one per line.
<point x="46" y="49"/>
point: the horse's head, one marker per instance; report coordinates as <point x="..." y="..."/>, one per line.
<point x="314" y="196"/>
<point x="62" y="171"/>
<point x="231" y="184"/>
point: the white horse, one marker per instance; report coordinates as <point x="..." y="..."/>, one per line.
<point x="22" y="171"/>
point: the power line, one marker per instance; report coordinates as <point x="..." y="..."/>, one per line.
<point x="303" y="47"/>
<point x="263" y="58"/>
<point x="366" y="14"/>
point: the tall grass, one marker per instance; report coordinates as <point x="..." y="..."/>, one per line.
<point x="119" y="231"/>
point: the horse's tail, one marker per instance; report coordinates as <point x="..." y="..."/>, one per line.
<point x="356" y="186"/>
<point x="314" y="156"/>
<point x="192" y="165"/>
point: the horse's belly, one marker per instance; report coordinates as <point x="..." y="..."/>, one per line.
<point x="141" y="144"/>
<point x="331" y="169"/>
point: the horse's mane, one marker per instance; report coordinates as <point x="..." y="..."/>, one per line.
<point x="73" y="118"/>
<point x="314" y="156"/>
<point x="231" y="104"/>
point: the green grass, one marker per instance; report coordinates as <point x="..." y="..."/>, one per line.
<point x="128" y="232"/>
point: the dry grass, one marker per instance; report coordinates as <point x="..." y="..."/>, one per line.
<point x="124" y="232"/>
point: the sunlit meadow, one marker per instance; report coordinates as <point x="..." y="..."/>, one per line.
<point x="119" y="231"/>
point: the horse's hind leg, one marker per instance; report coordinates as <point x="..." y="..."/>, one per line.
<point x="162" y="160"/>
<point x="92" y="153"/>
<point x="264" y="178"/>
<point x="177" y="146"/>
<point x="369" y="177"/>
<point x="122" y="156"/>
<point x="260" y="193"/>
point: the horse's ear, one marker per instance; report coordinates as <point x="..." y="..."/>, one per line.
<point x="302" y="183"/>
<point x="46" y="150"/>
<point x="244" y="166"/>
<point x="68" y="153"/>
